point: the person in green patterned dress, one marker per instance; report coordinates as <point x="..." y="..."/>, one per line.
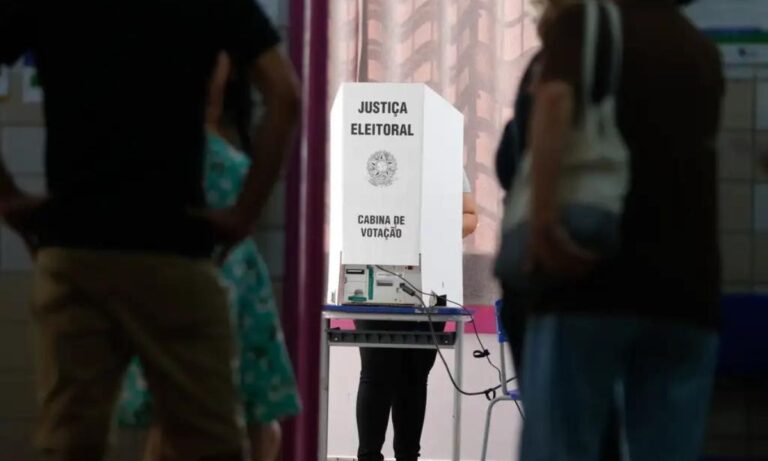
<point x="263" y="368"/>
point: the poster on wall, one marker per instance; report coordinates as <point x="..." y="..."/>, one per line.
<point x="740" y="27"/>
<point x="32" y="92"/>
<point x="5" y="81"/>
<point x="709" y="14"/>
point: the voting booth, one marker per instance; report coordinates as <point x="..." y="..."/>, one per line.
<point x="395" y="196"/>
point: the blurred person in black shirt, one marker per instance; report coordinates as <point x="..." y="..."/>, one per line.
<point x="123" y="242"/>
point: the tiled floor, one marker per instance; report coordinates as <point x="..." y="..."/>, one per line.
<point x="739" y="420"/>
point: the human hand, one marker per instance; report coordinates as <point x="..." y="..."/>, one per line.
<point x="556" y="253"/>
<point x="17" y="211"/>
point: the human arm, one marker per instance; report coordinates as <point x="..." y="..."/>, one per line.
<point x="554" y="115"/>
<point x="552" y="121"/>
<point x="468" y="208"/>
<point x="273" y="76"/>
<point x="252" y="41"/>
<point x="469" y="215"/>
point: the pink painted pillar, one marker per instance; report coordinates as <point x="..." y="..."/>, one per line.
<point x="305" y="209"/>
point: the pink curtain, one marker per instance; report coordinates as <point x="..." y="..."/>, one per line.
<point x="305" y="183"/>
<point x="473" y="53"/>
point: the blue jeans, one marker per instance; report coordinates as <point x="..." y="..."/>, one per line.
<point x="576" y="365"/>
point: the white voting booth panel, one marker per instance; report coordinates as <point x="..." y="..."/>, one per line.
<point x="396" y="194"/>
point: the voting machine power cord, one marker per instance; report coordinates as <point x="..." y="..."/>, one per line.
<point x="490" y="393"/>
<point x="483" y="352"/>
<point x="517" y="404"/>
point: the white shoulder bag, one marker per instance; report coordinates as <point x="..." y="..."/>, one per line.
<point x="595" y="172"/>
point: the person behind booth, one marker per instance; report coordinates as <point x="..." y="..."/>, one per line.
<point x="395" y="380"/>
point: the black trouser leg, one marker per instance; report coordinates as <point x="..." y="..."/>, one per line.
<point x="396" y="380"/>
<point x="410" y="401"/>
<point x="380" y="368"/>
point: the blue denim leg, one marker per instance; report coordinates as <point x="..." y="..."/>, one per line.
<point x="571" y="366"/>
<point x="668" y="391"/>
<point x="572" y="363"/>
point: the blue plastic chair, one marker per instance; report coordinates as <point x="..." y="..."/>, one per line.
<point x="507" y="394"/>
<point x="743" y="347"/>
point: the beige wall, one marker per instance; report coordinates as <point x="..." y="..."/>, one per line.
<point x="743" y="183"/>
<point x="739" y="420"/>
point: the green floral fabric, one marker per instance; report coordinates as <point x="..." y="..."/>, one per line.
<point x="264" y="371"/>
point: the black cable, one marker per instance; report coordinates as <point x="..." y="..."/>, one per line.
<point x="519" y="410"/>
<point x="491" y="391"/>
<point x="442" y="357"/>
<point x="484" y="352"/>
<point x="488" y="393"/>
<point x="478" y="354"/>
